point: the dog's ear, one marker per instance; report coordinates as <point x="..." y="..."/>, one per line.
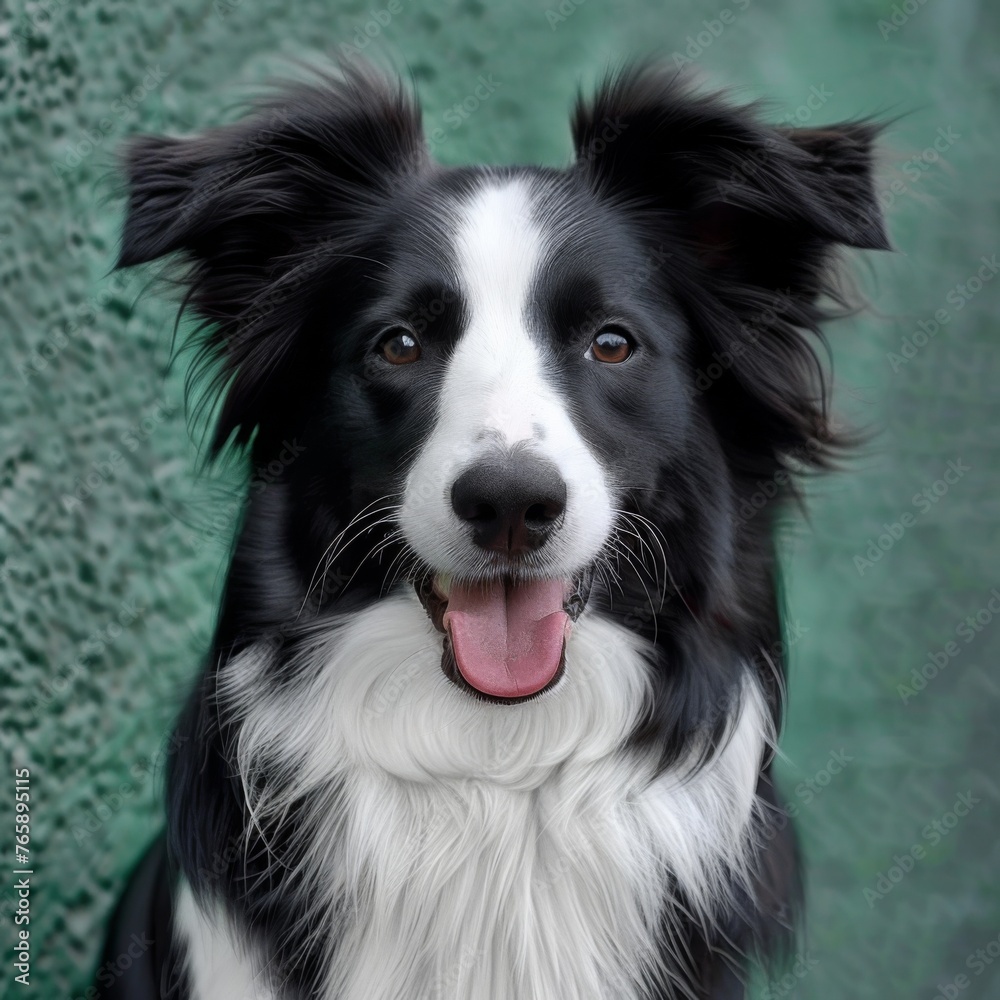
<point x="756" y="213"/>
<point x="253" y="208"/>
<point x="760" y="203"/>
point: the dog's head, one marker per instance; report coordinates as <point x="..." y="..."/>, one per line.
<point x="515" y="389"/>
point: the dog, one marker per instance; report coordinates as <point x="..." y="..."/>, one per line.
<point x="497" y="674"/>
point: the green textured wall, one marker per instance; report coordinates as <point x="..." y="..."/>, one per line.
<point x="87" y="700"/>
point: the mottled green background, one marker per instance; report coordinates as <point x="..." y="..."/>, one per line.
<point x="92" y="730"/>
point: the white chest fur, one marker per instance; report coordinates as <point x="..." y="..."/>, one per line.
<point x="478" y="851"/>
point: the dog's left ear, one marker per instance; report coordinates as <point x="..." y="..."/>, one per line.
<point x="256" y="210"/>
<point x="762" y="204"/>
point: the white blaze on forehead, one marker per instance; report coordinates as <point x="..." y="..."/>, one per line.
<point x="499" y="389"/>
<point x="498" y="247"/>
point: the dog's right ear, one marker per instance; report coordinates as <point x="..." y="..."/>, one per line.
<point x="251" y="188"/>
<point x="759" y="205"/>
<point x="253" y="209"/>
<point x="758" y="214"/>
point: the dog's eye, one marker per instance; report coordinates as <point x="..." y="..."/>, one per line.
<point x="611" y="347"/>
<point x="399" y="347"/>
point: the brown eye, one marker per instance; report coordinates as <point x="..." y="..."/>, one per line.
<point x="611" y="347"/>
<point x="399" y="347"/>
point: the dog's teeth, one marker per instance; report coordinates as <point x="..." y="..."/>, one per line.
<point x="443" y="584"/>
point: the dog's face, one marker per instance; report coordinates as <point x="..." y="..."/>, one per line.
<point x="523" y="392"/>
<point x="507" y="354"/>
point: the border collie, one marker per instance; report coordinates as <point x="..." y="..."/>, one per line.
<point x="497" y="675"/>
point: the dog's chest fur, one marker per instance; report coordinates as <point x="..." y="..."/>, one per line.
<point x="469" y="851"/>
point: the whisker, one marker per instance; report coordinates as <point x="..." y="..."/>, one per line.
<point x="338" y="543"/>
<point x="377" y="547"/>
<point x="649" y="600"/>
<point x="664" y="546"/>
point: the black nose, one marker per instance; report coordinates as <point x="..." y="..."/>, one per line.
<point x="512" y="502"/>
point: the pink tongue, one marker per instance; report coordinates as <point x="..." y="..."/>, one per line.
<point x="507" y="640"/>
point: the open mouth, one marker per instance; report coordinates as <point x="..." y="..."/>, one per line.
<point x="504" y="640"/>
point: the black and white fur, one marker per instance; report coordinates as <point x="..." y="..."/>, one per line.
<point x="347" y="819"/>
